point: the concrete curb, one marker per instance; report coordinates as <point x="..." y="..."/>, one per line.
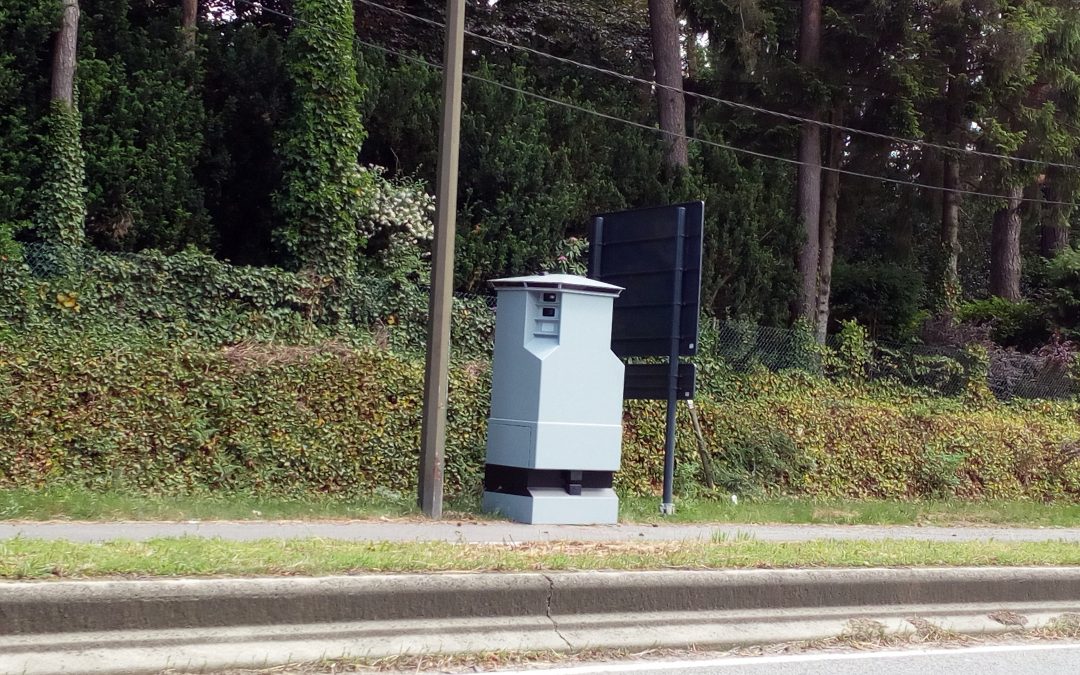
<point x="191" y="625"/>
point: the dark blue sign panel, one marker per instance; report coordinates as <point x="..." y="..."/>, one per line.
<point x="655" y="254"/>
<point x="652" y="382"/>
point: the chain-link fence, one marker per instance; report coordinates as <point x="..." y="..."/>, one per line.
<point x="944" y="370"/>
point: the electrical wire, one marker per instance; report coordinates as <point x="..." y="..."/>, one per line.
<point x="613" y="118"/>
<point x="918" y="143"/>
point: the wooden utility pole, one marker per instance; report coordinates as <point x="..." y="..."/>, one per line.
<point x="436" y="374"/>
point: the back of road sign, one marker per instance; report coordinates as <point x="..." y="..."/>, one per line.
<point x="638" y="250"/>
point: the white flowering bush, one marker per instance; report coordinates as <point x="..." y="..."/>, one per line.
<point x="400" y="209"/>
<point x="398" y="228"/>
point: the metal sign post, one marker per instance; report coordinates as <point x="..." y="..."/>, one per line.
<point x="667" y="506"/>
<point x="655" y="254"/>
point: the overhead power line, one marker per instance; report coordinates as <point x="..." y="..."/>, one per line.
<point x="914" y="142"/>
<point x="654" y="129"/>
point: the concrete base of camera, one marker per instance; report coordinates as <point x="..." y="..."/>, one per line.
<point x="553" y="506"/>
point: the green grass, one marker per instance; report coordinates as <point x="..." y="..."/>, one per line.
<point x="190" y="556"/>
<point x="76" y="504"/>
<point x="851" y="512"/>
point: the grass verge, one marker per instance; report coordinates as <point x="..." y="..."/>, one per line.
<point x="192" y="556"/>
<point x="77" y="504"/>
<point x="851" y="512"/>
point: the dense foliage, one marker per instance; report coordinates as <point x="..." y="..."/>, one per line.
<point x="142" y="413"/>
<point x="323" y="190"/>
<point x="213" y="269"/>
<point x="61" y="209"/>
<point x="248" y="143"/>
<point x="143" y="127"/>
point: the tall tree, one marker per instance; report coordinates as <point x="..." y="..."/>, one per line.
<point x="1005" y="261"/>
<point x="808" y="208"/>
<point x="189" y="15"/>
<point x="64" y="54"/>
<point x="1054" y="225"/>
<point x="62" y="209"/>
<point x="954" y="44"/>
<point x="670" y="102"/>
<point x="323" y="190"/>
<point x="1060" y="71"/>
<point x="830" y="198"/>
<point x="1026" y="70"/>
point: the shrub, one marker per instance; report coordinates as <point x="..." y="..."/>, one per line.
<point x="187" y="295"/>
<point x="755" y="462"/>
<point x="193" y="296"/>
<point x="136" y="412"/>
<point x="131" y="409"/>
<point x="1060" y="297"/>
<point x="1012" y="324"/>
<point x="852" y="352"/>
<point x="940" y="373"/>
<point x="1047" y="374"/>
<point x="16" y="289"/>
<point x="883" y="297"/>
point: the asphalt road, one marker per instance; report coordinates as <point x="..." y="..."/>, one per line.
<point x="506" y="532"/>
<point x="1040" y="659"/>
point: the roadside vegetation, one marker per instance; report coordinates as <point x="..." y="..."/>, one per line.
<point x="192" y="556"/>
<point x="184" y="337"/>
<point x="78" y="504"/>
<point x="125" y="409"/>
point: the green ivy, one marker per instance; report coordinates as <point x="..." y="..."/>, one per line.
<point x="16" y="289"/>
<point x="137" y="409"/>
<point x="323" y="191"/>
<point x="62" y="206"/>
<point x="193" y="296"/>
<point x="852" y="354"/>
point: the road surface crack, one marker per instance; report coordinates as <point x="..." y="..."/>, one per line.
<point x="554" y="623"/>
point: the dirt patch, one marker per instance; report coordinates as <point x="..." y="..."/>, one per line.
<point x="833" y="515"/>
<point x="250" y="355"/>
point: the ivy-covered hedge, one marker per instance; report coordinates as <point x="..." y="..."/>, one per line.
<point x="131" y="411"/>
<point x="134" y="412"/>
<point x="193" y="296"/>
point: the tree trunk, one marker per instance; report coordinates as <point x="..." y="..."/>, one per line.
<point x="950" y="231"/>
<point x="61" y="210"/>
<point x="1005" y="247"/>
<point x="829" y="199"/>
<point x="189" y="16"/>
<point x="954" y="93"/>
<point x="1054" y="228"/>
<point x="930" y="172"/>
<point x="63" y="64"/>
<point x="670" y="102"/>
<point x="808" y="205"/>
